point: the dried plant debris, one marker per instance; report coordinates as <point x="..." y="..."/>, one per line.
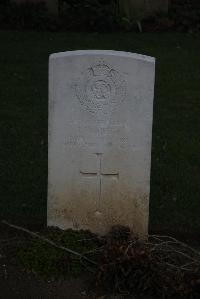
<point x="160" y="265"/>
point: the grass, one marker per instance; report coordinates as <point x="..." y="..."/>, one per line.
<point x="37" y="256"/>
<point x="175" y="187"/>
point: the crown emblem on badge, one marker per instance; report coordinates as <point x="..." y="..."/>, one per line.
<point x="100" y="69"/>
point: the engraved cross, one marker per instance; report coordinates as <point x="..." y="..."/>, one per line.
<point x="99" y="174"/>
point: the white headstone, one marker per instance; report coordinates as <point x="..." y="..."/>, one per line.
<point x="100" y="128"/>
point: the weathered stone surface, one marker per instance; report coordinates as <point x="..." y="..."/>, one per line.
<point x="100" y="126"/>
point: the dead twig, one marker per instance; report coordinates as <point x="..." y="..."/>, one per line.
<point x="178" y="252"/>
<point x="160" y="264"/>
<point x="175" y="241"/>
<point x="44" y="239"/>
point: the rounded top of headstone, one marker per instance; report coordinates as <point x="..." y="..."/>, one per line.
<point x="103" y="52"/>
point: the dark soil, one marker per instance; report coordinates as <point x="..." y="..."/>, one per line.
<point x="16" y="282"/>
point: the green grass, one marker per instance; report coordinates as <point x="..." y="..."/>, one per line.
<point x="175" y="180"/>
<point x="37" y="256"/>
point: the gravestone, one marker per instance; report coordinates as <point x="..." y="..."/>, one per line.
<point x="100" y="128"/>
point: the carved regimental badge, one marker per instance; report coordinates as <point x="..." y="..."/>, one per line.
<point x="101" y="89"/>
